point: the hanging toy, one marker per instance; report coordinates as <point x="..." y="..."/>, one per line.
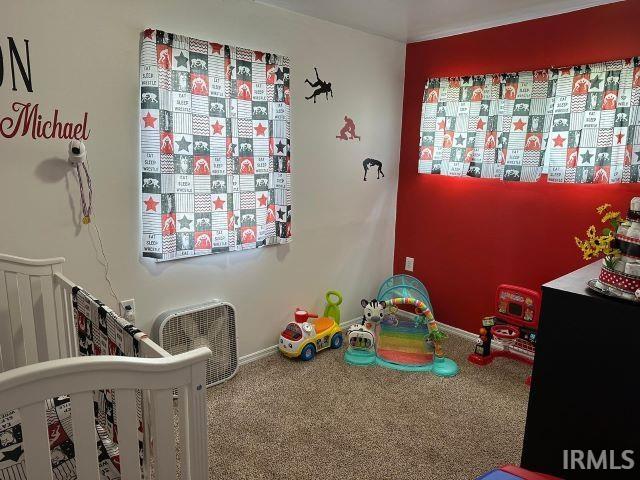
<point x="77" y="157"/>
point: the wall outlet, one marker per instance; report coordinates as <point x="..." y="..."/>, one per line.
<point x="408" y="264"/>
<point x="128" y="308"/>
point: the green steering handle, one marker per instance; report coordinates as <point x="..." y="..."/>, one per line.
<point x="333" y="309"/>
<point x="336" y="294"/>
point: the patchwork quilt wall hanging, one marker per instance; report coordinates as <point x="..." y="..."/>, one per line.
<point x="215" y="148"/>
<point x="595" y="125"/>
<point x="578" y="124"/>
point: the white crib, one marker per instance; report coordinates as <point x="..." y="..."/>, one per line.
<point x="39" y="360"/>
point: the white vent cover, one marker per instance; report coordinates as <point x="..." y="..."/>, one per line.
<point x="210" y="325"/>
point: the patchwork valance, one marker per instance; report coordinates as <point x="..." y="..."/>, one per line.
<point x="215" y="150"/>
<point x="578" y="124"/>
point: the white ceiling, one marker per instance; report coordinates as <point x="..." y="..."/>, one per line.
<point x="415" y="20"/>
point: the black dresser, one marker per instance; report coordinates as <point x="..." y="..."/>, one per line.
<point x="585" y="391"/>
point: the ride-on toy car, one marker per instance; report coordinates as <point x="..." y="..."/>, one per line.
<point x="309" y="334"/>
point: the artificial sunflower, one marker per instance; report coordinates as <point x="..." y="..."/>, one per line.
<point x="611" y="217"/>
<point x="604" y="242"/>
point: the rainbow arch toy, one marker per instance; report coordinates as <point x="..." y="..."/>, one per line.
<point x="404" y="342"/>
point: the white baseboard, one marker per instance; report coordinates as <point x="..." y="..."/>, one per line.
<point x="252" y="357"/>
<point x="348" y="323"/>
<point x="265" y="352"/>
<point x="458" y="332"/>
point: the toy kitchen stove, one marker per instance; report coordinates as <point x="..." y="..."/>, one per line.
<point x="512" y="331"/>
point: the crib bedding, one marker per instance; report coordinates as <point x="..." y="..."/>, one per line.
<point x="58" y="414"/>
<point x="100" y="332"/>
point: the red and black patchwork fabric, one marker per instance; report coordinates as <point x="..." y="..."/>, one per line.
<point x="59" y="424"/>
<point x="595" y="135"/>
<point x="215" y="148"/>
<point x="102" y="332"/>
<point x="489" y="126"/>
<point x="458" y="127"/>
<point x="58" y="413"/>
<point x="578" y="124"/>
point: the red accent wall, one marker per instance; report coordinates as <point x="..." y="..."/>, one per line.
<point x="468" y="235"/>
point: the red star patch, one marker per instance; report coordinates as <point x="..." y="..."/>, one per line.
<point x="442" y="124"/>
<point x="263" y="200"/>
<point x="519" y="124"/>
<point x="259" y="56"/>
<point x="151" y="205"/>
<point x="216" y="47"/>
<point x="481" y="124"/>
<point x="217" y="128"/>
<point x="558" y="141"/>
<point x="260" y="129"/>
<point x="149" y="120"/>
<point x="219" y="203"/>
<point x="620" y="136"/>
<point x="148" y="33"/>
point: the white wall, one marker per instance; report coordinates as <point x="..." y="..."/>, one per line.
<point x="84" y="57"/>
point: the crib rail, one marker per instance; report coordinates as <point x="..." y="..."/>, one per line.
<point x="36" y="314"/>
<point x="27" y="388"/>
<point x="37" y="324"/>
<point x="31" y="329"/>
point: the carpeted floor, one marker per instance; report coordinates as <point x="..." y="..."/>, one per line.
<point x="283" y="419"/>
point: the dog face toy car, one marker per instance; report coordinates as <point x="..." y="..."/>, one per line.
<point x="309" y="334"/>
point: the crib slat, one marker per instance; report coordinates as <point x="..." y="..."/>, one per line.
<point x="127" y="420"/>
<point x="183" y="432"/>
<point x="147" y="422"/>
<point x="58" y="297"/>
<point x="63" y="320"/>
<point x="35" y="439"/>
<point x="70" y="325"/>
<point x="50" y="327"/>
<point x="38" y="318"/>
<point x="164" y="437"/>
<point x="196" y="412"/>
<point x="67" y="322"/>
<point x="84" y="436"/>
<point x="28" y="322"/>
<point x="7" y="361"/>
<point x="193" y="425"/>
<point x="11" y="283"/>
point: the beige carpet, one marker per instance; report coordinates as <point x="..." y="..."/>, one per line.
<point x="283" y="419"/>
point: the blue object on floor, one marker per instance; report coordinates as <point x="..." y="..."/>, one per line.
<point x="360" y="357"/>
<point x="498" y="475"/>
<point x="444" y="367"/>
<point x="511" y="472"/>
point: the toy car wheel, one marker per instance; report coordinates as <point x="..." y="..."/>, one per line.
<point x="336" y="340"/>
<point x="308" y="352"/>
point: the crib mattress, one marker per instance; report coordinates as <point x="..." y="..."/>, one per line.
<point x="12" y="463"/>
